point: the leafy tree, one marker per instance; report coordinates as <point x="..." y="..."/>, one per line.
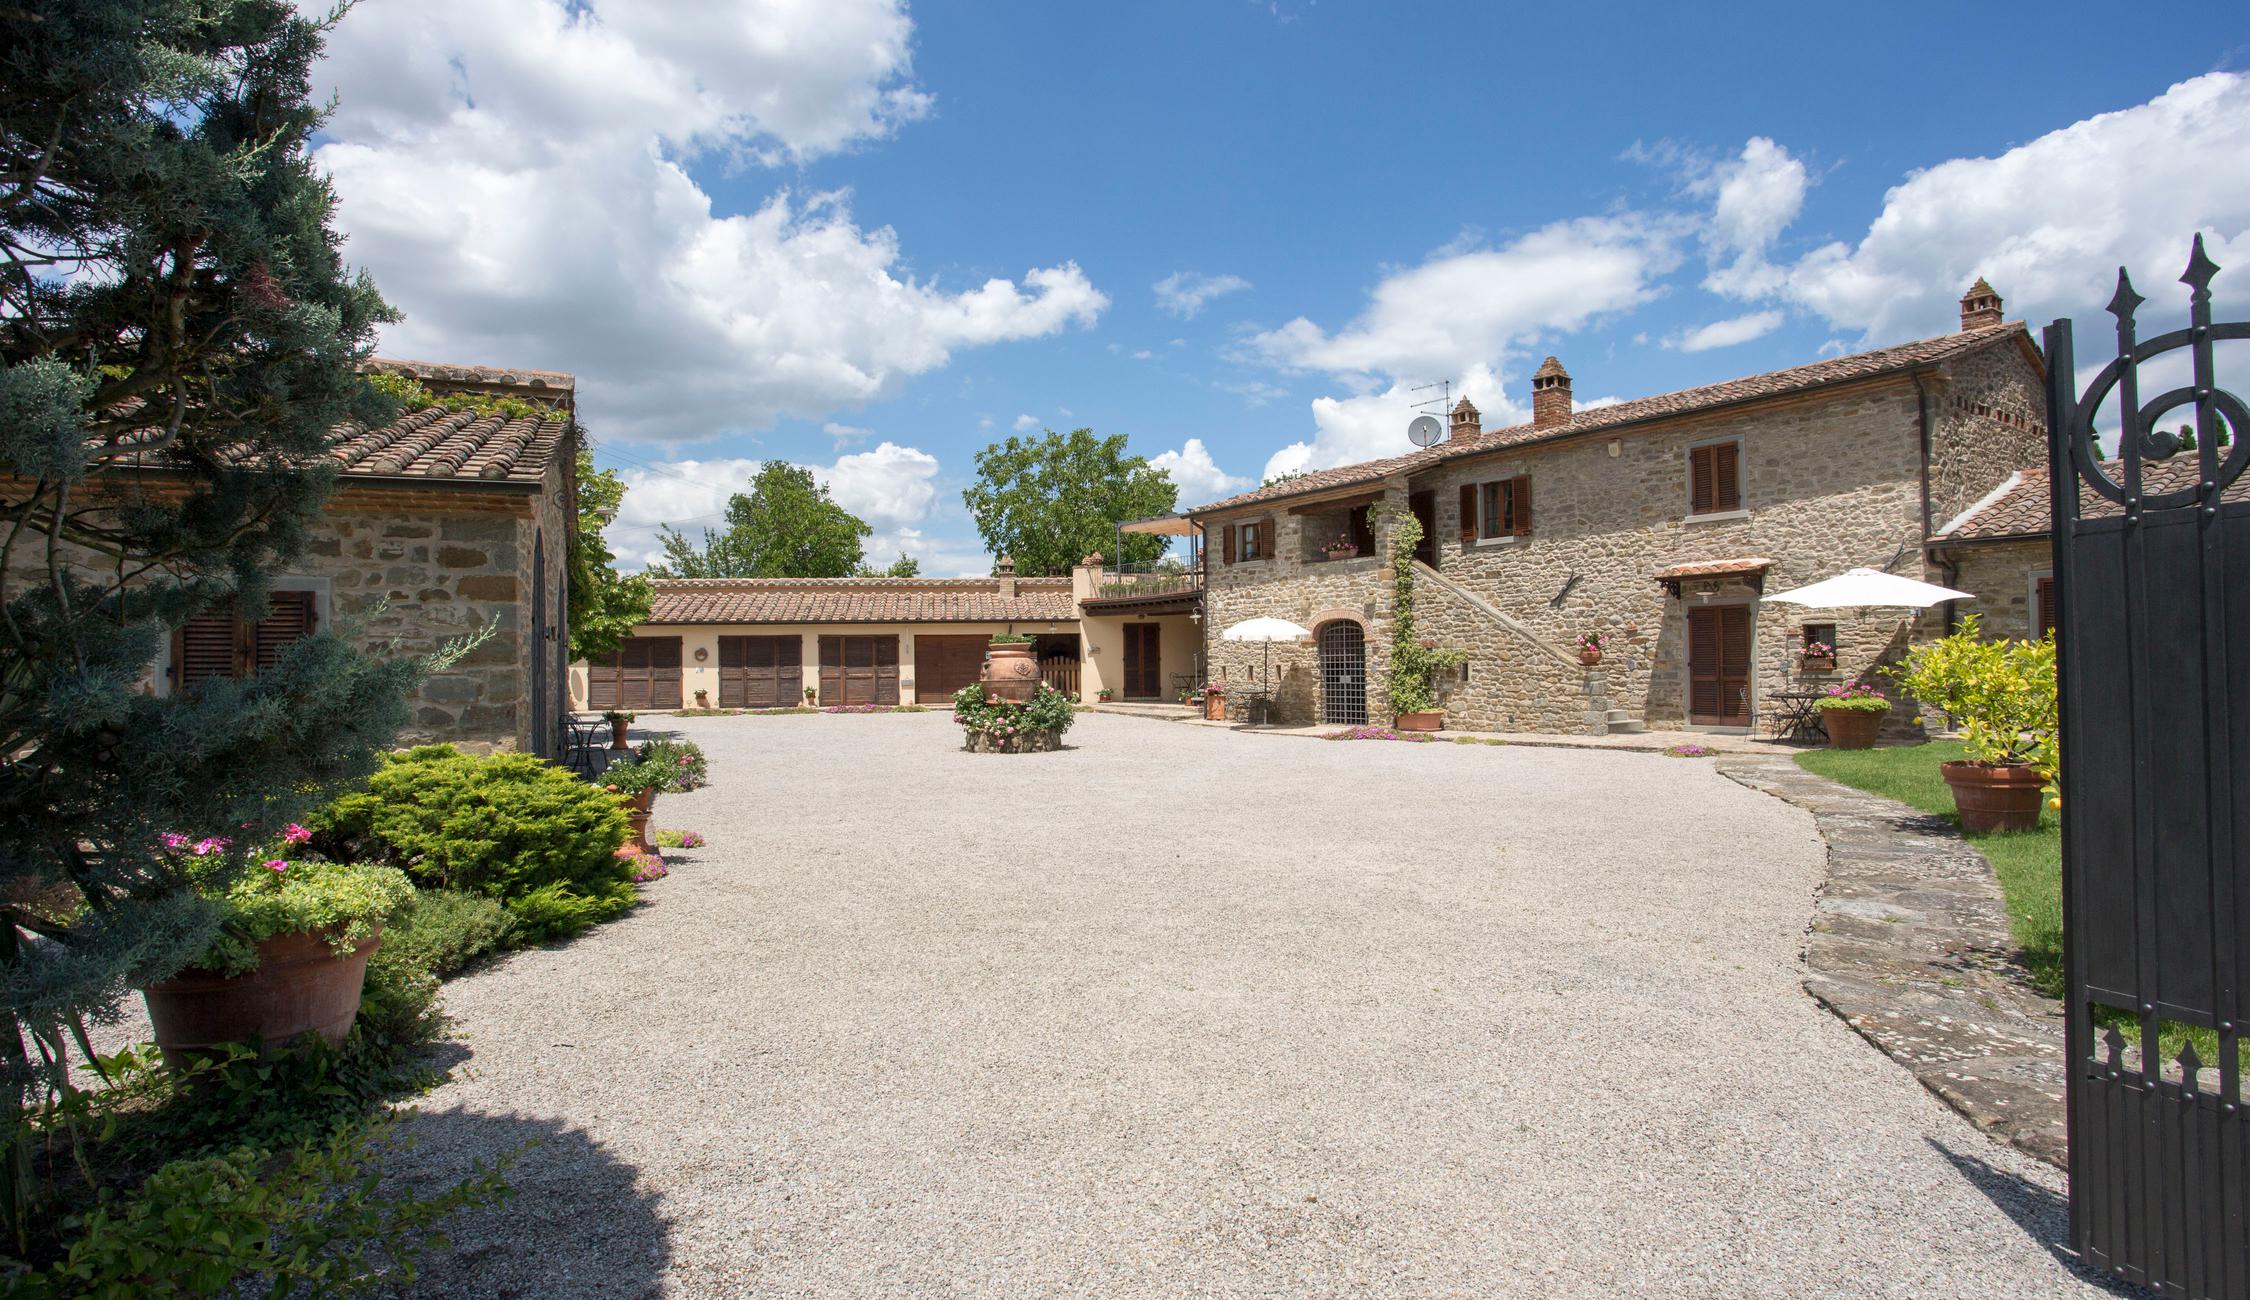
<point x="178" y="337"/>
<point x="1050" y="501"/>
<point x="787" y="527"/>
<point x="605" y="605"/>
<point x="905" y="566"/>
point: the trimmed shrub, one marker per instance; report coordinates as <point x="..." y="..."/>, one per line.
<point x="443" y="930"/>
<point x="507" y="826"/>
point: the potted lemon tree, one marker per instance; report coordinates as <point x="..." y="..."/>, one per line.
<point x="2001" y="694"/>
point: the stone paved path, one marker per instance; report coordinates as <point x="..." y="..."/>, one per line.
<point x="1180" y="1011"/>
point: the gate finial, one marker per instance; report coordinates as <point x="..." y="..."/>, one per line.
<point x="2200" y="269"/>
<point x="2124" y="302"/>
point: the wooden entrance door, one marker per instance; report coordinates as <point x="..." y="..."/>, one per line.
<point x="643" y="674"/>
<point x="945" y="664"/>
<point x="760" y="672"/>
<point x="1144" y="675"/>
<point x="859" y="670"/>
<point x="1719" y="665"/>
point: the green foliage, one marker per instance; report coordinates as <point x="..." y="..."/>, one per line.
<point x="346" y="902"/>
<point x="905" y="566"/>
<point x="1010" y="638"/>
<point x="633" y="776"/>
<point x="409" y="394"/>
<point x="683" y="760"/>
<point x="1855" y="697"/>
<point x="2001" y="693"/>
<point x="1008" y="723"/>
<point x="1050" y="501"/>
<point x="605" y="605"/>
<point x="312" y="1219"/>
<point x="1412" y="682"/>
<point x="174" y="309"/>
<point x="507" y="826"/>
<point x="787" y="527"/>
<point x="443" y="930"/>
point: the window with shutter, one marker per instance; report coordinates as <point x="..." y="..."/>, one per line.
<point x="1468" y="513"/>
<point x="224" y="645"/>
<point x="1715" y="479"/>
<point x="2045" y="611"/>
<point x="1504" y="507"/>
<point x="1519" y="505"/>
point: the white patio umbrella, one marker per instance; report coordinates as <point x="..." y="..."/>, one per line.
<point x="1268" y="630"/>
<point x="1868" y="589"/>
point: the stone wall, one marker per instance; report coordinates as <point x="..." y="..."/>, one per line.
<point x="1296" y="583"/>
<point x="2001" y="574"/>
<point x="1988" y="419"/>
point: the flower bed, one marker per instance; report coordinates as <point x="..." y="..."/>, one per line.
<point x="996" y="726"/>
<point x="1379" y="733"/>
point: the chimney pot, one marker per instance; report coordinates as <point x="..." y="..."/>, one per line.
<point x="1466" y="419"/>
<point x="1550" y="395"/>
<point x="1980" y="307"/>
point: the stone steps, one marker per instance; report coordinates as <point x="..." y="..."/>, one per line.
<point x="1621" y="722"/>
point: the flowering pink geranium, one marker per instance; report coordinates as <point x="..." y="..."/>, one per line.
<point x="211" y="844"/>
<point x="295" y="834"/>
<point x="277" y="865"/>
<point x="174" y="840"/>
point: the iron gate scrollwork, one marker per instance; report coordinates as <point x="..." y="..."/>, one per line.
<point x="2152" y="563"/>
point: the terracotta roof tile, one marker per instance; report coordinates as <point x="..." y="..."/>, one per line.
<point x="1714" y="568"/>
<point x="2021" y="506"/>
<point x="1778" y="383"/>
<point x="441" y="444"/>
<point x="859" y="600"/>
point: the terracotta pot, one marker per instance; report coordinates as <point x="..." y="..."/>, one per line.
<point x="1215" y="708"/>
<point x="703" y="699"/>
<point x="1590" y="656"/>
<point x="1426" y="720"/>
<point x="1817" y="664"/>
<point x="1342" y="552"/>
<point x="300" y="987"/>
<point x="1996" y="797"/>
<point x="617" y="735"/>
<point x="1852" y="728"/>
<point x="1010" y="671"/>
<point x="638" y="808"/>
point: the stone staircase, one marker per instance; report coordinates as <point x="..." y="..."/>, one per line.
<point x="1621" y="722"/>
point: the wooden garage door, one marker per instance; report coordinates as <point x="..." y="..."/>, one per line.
<point x="945" y="664"/>
<point x="858" y="670"/>
<point x="1719" y="665"/>
<point x="761" y="672"/>
<point x="643" y="674"/>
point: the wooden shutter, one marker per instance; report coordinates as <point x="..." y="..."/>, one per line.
<point x="1468" y="514"/>
<point x="1265" y="538"/>
<point x="1519" y="505"/>
<point x="1226" y="540"/>
<point x="1727" y="466"/>
<point x="832" y="670"/>
<point x="1734" y="668"/>
<point x="664" y="677"/>
<point x="205" y="647"/>
<point x="1715" y="478"/>
<point x="601" y="681"/>
<point x="1703" y="664"/>
<point x="2046" y="608"/>
<point x="789" y="670"/>
<point x="1702" y="486"/>
<point x="290" y="620"/>
<point x="886" y="670"/>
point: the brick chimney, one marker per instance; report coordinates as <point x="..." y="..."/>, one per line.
<point x="1980" y="307"/>
<point x="1005" y="570"/>
<point x="1466" y="419"/>
<point x="1550" y="395"/>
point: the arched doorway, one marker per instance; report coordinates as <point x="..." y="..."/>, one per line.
<point x="1343" y="674"/>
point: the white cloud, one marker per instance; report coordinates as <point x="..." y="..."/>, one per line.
<point x="893" y="488"/>
<point x="1372" y="426"/>
<point x="1253" y="392"/>
<point x="1757" y="196"/>
<point x="1461" y="310"/>
<point x="1197" y="476"/>
<point x="1726" y="333"/>
<point x="846" y="434"/>
<point x="2049" y="222"/>
<point x="516" y="175"/>
<point x="1026" y="423"/>
<point x="1184" y="293"/>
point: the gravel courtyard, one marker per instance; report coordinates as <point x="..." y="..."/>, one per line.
<point x="1181" y="1011"/>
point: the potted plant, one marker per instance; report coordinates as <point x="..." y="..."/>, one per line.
<point x="637" y="783"/>
<point x="295" y="933"/>
<point x="995" y="724"/>
<point x="1590" y="647"/>
<point x="702" y="699"/>
<point x="1105" y="695"/>
<point x="618" y="721"/>
<point x="1415" y="663"/>
<point x="810" y="696"/>
<point x="1215" y="701"/>
<point x="1341" y="548"/>
<point x="1817" y="657"/>
<point x="1853" y="714"/>
<point x="2002" y="696"/>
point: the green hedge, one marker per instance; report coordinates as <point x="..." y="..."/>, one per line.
<point x="507" y="826"/>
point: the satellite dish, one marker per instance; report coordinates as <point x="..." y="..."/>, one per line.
<point x="1426" y="431"/>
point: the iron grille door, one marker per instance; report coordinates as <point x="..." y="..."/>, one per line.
<point x="2153" y="565"/>
<point x="1343" y="674"/>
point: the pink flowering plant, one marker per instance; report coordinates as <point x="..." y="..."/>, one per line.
<point x="1819" y="650"/>
<point x="1856" y="697"/>
<point x="1380" y="733"/>
<point x="1010" y="727"/>
<point x="288" y="890"/>
<point x="1592" y="640"/>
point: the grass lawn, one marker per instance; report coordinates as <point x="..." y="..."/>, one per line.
<point x="2028" y="863"/>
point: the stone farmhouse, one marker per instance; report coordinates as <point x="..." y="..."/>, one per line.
<point x="442" y="523"/>
<point x="1658" y="523"/>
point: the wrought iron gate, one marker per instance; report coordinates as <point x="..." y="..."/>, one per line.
<point x="2153" y="564"/>
<point x="1343" y="674"/>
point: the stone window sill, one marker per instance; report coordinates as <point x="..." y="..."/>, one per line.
<point x="1717" y="517"/>
<point x="1508" y="540"/>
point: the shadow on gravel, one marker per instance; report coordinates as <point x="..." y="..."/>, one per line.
<point x="2044" y="1216"/>
<point x="577" y="1225"/>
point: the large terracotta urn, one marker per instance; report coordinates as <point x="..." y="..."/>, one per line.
<point x="1011" y="671"/>
<point x="1852" y="728"/>
<point x="300" y="987"/>
<point x="1994" y="796"/>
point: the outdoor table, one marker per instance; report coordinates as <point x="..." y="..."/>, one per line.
<point x="1797" y="715"/>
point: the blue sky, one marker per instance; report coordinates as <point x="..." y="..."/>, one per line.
<point x="873" y="240"/>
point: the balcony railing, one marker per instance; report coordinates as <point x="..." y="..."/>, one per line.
<point x="1114" y="584"/>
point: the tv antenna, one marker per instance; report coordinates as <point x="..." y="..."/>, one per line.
<point x="1428" y="430"/>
